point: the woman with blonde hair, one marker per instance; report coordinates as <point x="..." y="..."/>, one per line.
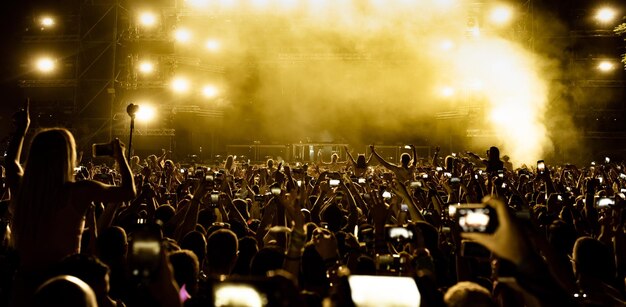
<point x="48" y="207"/>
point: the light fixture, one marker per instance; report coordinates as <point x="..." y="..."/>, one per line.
<point x="605" y="14"/>
<point x="213" y="45"/>
<point x="45" y="64"/>
<point x="606" y="66"/>
<point x="182" y="35"/>
<point x="46" y="22"/>
<point x="145" y="113"/>
<point x="209" y="91"/>
<point x="146" y="67"/>
<point x="147" y="19"/>
<point x="180" y="85"/>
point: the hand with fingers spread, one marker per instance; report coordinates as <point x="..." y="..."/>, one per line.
<point x="325" y="244"/>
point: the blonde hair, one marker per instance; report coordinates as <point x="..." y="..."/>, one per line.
<point x="48" y="169"/>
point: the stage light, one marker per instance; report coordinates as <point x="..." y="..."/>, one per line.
<point x="213" y="45"/>
<point x="145" y="113"/>
<point x="475" y="85"/>
<point x="146" y="67"/>
<point x="46" y="22"/>
<point x="209" y="91"/>
<point x="444" y="2"/>
<point x="182" y="35"/>
<point x="606" y="15"/>
<point x="180" y="85"/>
<point x="447" y="91"/>
<point x="501" y="15"/>
<point x="606" y="66"/>
<point x="147" y="19"/>
<point x="45" y="64"/>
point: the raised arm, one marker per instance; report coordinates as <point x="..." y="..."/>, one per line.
<point x="14" y="151"/>
<point x="382" y="161"/>
<point x="96" y="191"/>
<point x="350" y="157"/>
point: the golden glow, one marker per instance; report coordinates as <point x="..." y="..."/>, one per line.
<point x="45" y="64"/>
<point x="606" y="66"/>
<point x="147" y="19"/>
<point x="198" y="3"/>
<point x="352" y="57"/>
<point x="238" y="295"/>
<point x="447" y="91"/>
<point x="182" y="35"/>
<point x="47" y="22"/>
<point x="145" y="113"/>
<point x="209" y="91"/>
<point x="446" y="45"/>
<point x="180" y="85"/>
<point x="606" y="14"/>
<point x="146" y="67"/>
<point x="501" y="15"/>
<point x="213" y="45"/>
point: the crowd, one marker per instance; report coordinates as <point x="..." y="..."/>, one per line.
<point x="460" y="230"/>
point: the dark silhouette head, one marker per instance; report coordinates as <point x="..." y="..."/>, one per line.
<point x="222" y="249"/>
<point x="64" y="290"/>
<point x="405" y="159"/>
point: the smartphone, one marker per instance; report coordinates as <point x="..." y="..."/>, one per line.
<point x="182" y="170"/>
<point x="500" y="173"/>
<point x="333" y="182"/>
<point x="438" y="168"/>
<point x="607" y="160"/>
<point x="622" y="176"/>
<point x="604" y="202"/>
<point x="237" y="294"/>
<point x="259" y="197"/>
<point x="386" y="195"/>
<point x="102" y="149"/>
<point x="361" y="180"/>
<point x="275" y="191"/>
<point x="369" y="290"/>
<point x="447" y="175"/>
<point x="455" y="180"/>
<point x="299" y="183"/>
<point x="397" y="234"/>
<point x="600" y="179"/>
<point x="474" y="217"/>
<point x="208" y="178"/>
<point x="215" y="197"/>
<point x="541" y="166"/>
<point x="144" y="257"/>
<point x="415" y="184"/>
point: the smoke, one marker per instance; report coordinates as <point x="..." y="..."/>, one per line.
<point x="364" y="71"/>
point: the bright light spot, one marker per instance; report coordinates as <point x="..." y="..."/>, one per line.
<point x="45" y="64"/>
<point x="47" y="22"/>
<point x="180" y="85"/>
<point x="182" y="35"/>
<point x="209" y="91"/>
<point x="474" y="31"/>
<point x="446" y="45"/>
<point x="147" y="19"/>
<point x="606" y="14"/>
<point x="475" y="85"/>
<point x="213" y="45"/>
<point x="145" y="113"/>
<point x="447" y="91"/>
<point x="237" y="295"/>
<point x="146" y="67"/>
<point x="606" y="66"/>
<point x="501" y="15"/>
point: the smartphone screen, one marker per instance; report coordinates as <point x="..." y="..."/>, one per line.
<point x="384" y="291"/>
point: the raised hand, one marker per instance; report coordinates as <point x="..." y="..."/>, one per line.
<point x="21" y="118"/>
